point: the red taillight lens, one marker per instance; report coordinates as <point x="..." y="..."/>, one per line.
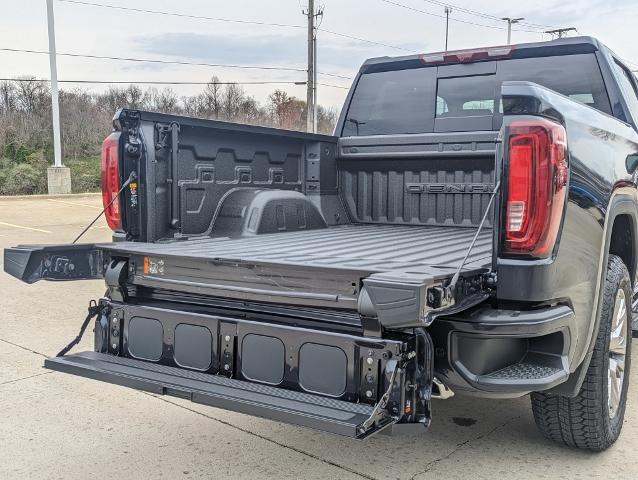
<point x="111" y="180"/>
<point x="536" y="186"/>
<point x="464" y="56"/>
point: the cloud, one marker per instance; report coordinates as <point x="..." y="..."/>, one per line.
<point x="277" y="50"/>
<point x="213" y="48"/>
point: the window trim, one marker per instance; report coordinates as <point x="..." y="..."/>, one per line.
<point x="629" y="114"/>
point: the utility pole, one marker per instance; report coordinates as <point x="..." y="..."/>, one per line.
<point x="448" y="10"/>
<point x="560" y="32"/>
<point x="314" y="83"/>
<point x="315" y="107"/>
<point x="310" y="99"/>
<point x="58" y="177"/>
<point x="511" y="21"/>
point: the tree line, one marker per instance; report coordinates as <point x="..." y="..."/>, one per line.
<point x="85" y="118"/>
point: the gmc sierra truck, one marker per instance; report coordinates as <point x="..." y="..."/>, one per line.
<point x="471" y="228"/>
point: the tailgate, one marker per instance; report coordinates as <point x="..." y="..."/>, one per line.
<point x="402" y="298"/>
<point x="337" y="382"/>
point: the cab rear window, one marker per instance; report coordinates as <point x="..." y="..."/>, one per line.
<point x="409" y="101"/>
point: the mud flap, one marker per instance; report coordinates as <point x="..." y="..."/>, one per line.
<point x="31" y="263"/>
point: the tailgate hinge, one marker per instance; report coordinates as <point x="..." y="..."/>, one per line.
<point x="114" y="277"/>
<point x="380" y="416"/>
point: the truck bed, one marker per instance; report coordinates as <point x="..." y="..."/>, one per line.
<point x="356" y="247"/>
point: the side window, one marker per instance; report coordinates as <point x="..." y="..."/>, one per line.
<point x="441" y="106"/>
<point x="628" y="86"/>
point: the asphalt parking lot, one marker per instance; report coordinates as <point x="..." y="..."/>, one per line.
<point x="54" y="425"/>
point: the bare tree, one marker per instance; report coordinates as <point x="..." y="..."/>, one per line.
<point x="232" y="99"/>
<point x="8" y="101"/>
<point x="164" y="101"/>
<point x="211" y="99"/>
<point x="32" y="94"/>
<point x="326" y="119"/>
<point x="288" y="112"/>
<point x="134" y="97"/>
<point x="25" y="120"/>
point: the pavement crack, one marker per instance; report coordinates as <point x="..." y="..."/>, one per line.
<point x="267" y="439"/>
<point x="24" y="348"/>
<point x="24" y="378"/>
<point x="430" y="465"/>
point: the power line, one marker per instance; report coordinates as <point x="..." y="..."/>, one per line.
<point x="372" y="42"/>
<point x="481" y="14"/>
<point x="216" y="19"/>
<point x="173" y="62"/>
<point x="333" y="86"/>
<point x="162" y="82"/>
<point x="177" y="14"/>
<point x="495" y="27"/>
<point x="147" y="82"/>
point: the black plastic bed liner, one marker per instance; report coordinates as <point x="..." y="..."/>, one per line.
<point x="362" y="248"/>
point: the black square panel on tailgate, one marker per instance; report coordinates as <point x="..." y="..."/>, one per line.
<point x="322" y="369"/>
<point x="145" y="338"/>
<point x="193" y="346"/>
<point x="262" y="358"/>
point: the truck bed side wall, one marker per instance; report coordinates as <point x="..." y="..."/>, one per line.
<point x="430" y="179"/>
<point x="213" y="158"/>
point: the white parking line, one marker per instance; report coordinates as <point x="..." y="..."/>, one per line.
<point x="74" y="203"/>
<point x="25" y="228"/>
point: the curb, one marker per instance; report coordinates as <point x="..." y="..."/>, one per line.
<point x="44" y="196"/>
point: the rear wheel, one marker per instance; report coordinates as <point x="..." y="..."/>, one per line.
<point x="593" y="419"/>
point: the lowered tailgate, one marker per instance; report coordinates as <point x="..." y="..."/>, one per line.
<point x="399" y="274"/>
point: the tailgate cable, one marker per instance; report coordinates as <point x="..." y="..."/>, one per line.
<point x="455" y="278"/>
<point x="130" y="179"/>
<point x="94" y="311"/>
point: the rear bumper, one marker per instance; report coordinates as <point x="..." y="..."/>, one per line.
<point x="504" y="353"/>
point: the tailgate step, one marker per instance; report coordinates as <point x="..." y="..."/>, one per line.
<point x="322" y="413"/>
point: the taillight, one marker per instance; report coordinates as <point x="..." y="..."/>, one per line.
<point x="111" y="180"/>
<point x="536" y="186"/>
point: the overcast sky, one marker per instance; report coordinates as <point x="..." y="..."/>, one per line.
<point x="111" y="32"/>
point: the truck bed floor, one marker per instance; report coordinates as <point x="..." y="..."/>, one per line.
<point x="362" y="247"/>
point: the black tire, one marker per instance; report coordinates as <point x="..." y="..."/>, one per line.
<point x="584" y="421"/>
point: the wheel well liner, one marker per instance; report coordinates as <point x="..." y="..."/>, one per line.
<point x="622" y="242"/>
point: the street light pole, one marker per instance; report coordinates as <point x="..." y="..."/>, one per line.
<point x="511" y="21"/>
<point x="58" y="176"/>
<point x="55" y="101"/>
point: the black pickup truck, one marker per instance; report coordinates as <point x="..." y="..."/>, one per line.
<point x="471" y="228"/>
